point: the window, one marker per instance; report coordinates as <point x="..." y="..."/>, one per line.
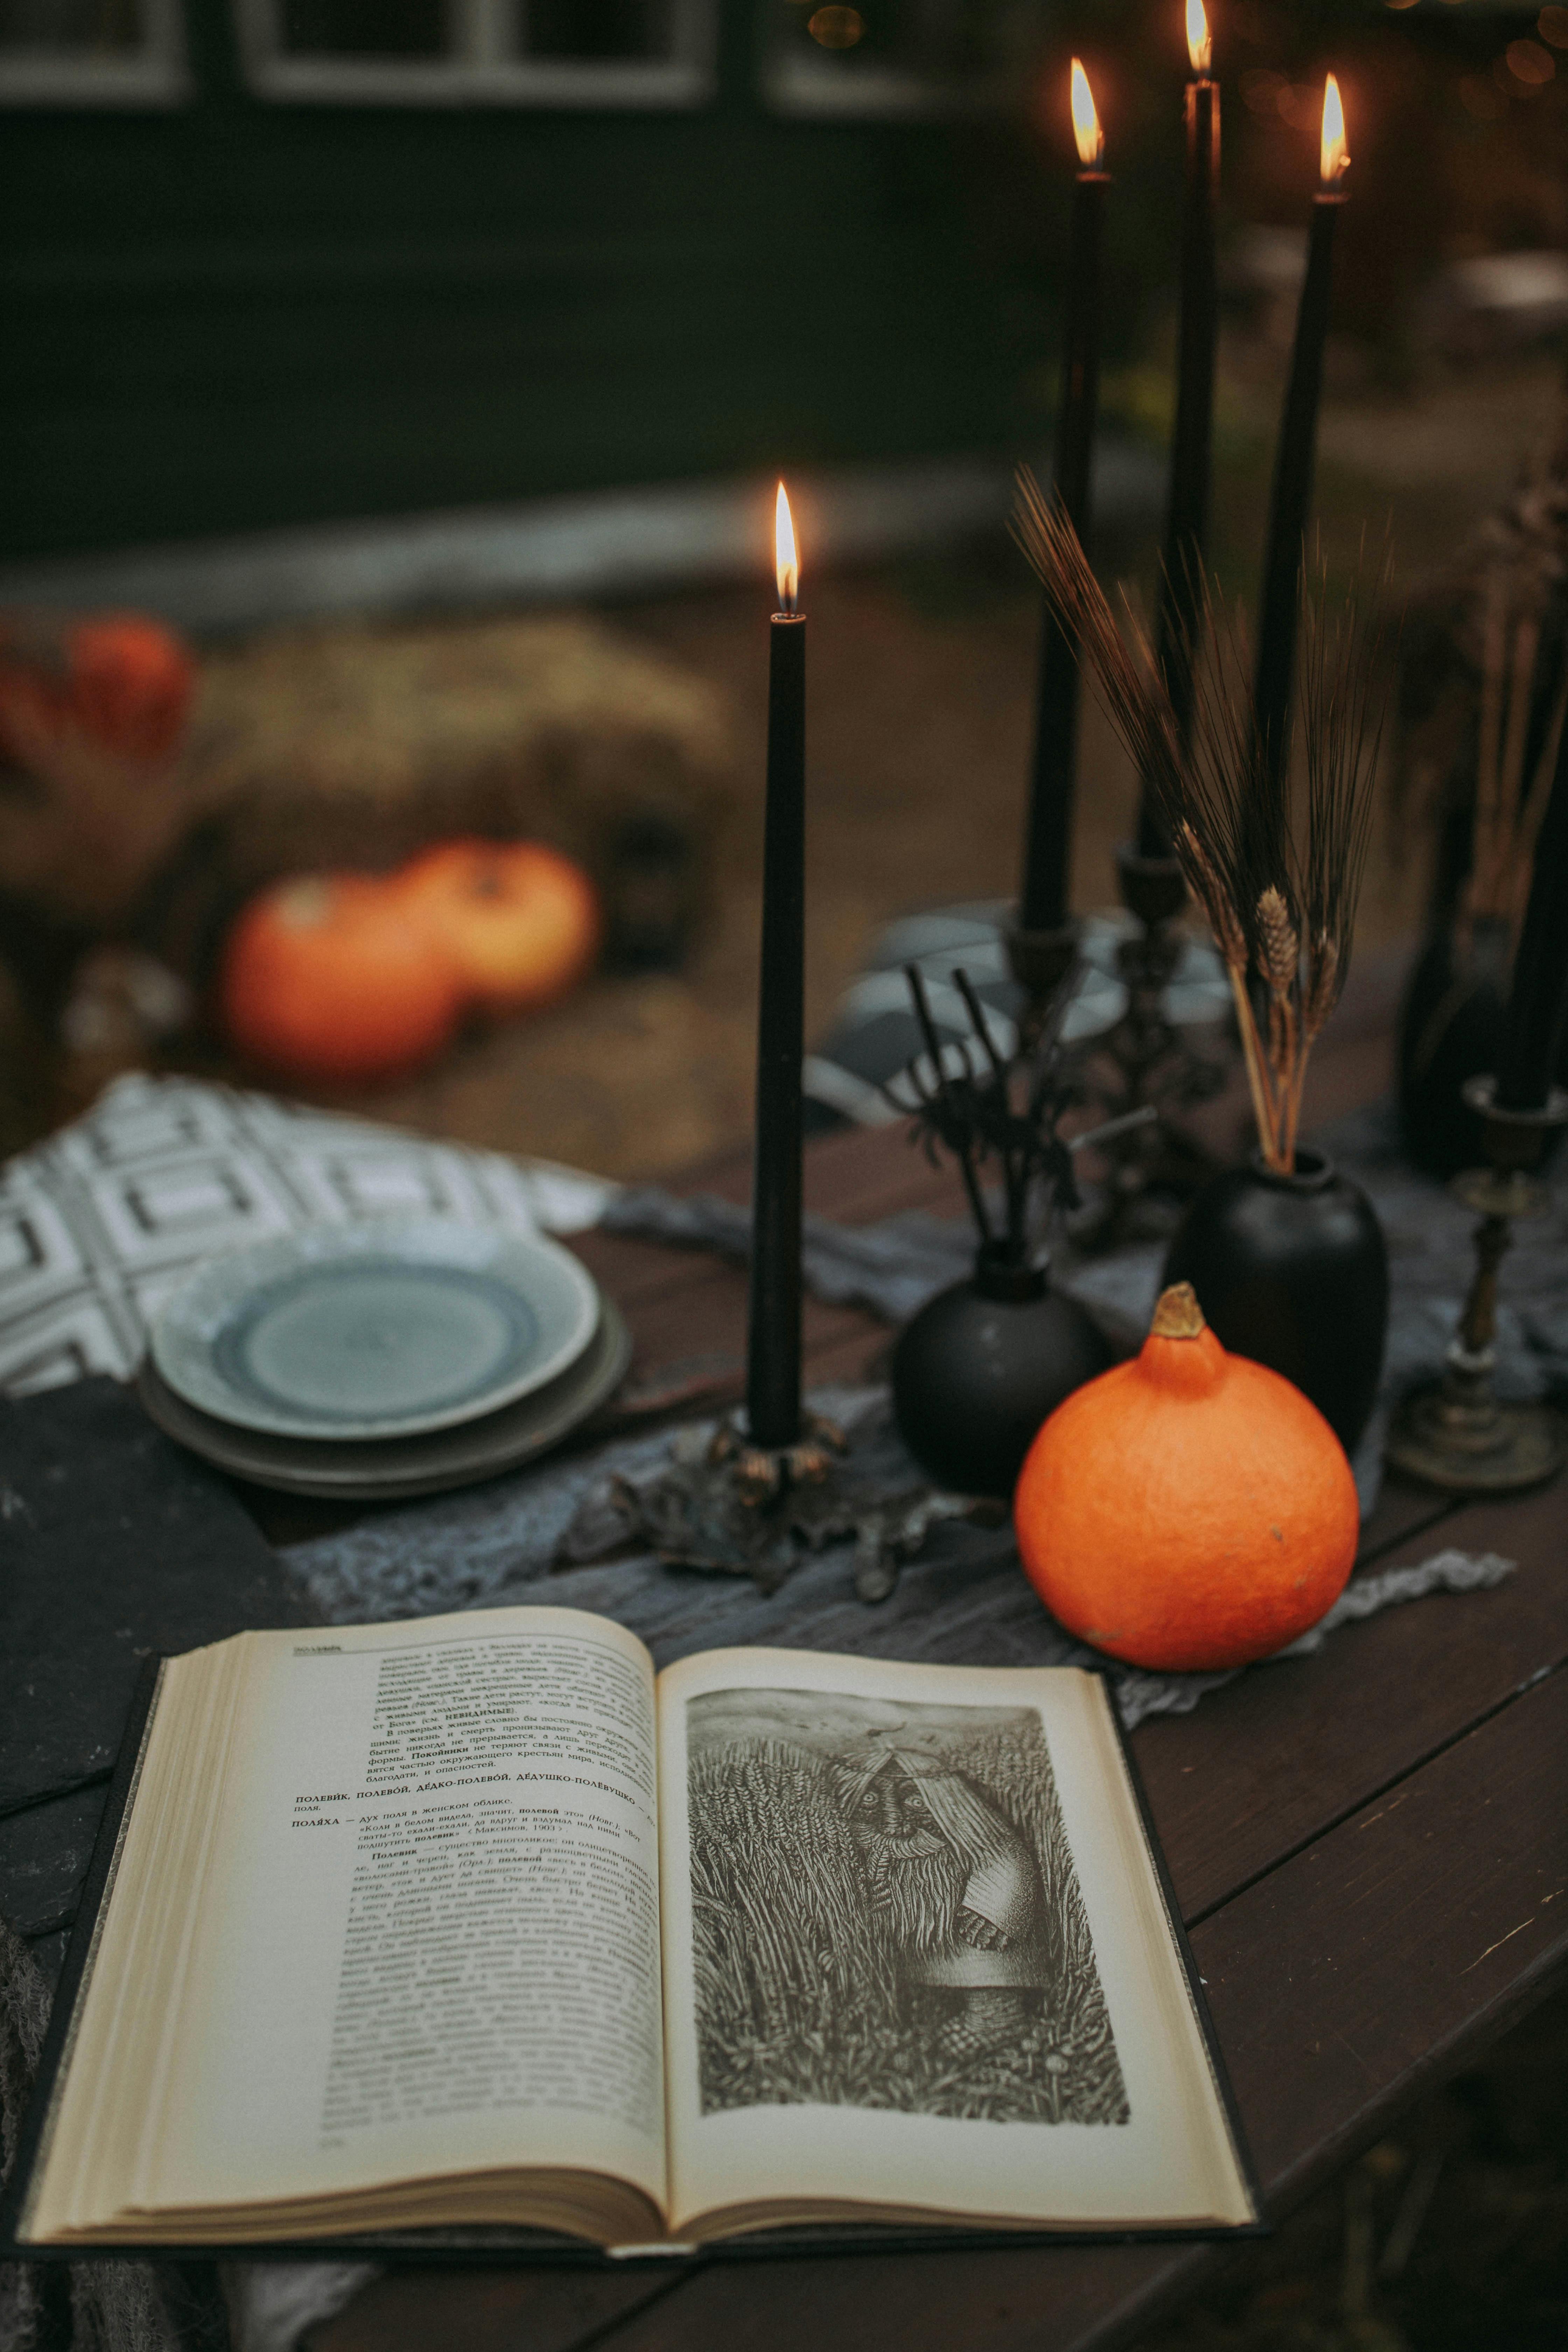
<point x="92" y="53"/>
<point x="896" y="57"/>
<point x="504" y="52"/>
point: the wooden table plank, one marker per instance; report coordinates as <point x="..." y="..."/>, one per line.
<point x="487" y="2311"/>
<point x="1403" y="1511"/>
<point x="1278" y="1756"/>
<point x="1372" y="1963"/>
<point x="1342" y="1984"/>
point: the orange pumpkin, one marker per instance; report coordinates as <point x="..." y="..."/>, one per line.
<point x="520" y="921"/>
<point x="325" y="977"/>
<point x="125" y="681"/>
<point x="1188" y="1509"/>
<point x="131" y="683"/>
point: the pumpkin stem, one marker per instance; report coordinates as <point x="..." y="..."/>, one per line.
<point x="1178" y="1315"/>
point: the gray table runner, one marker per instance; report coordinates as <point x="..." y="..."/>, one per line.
<point x="964" y="1598"/>
<point x="894" y="1267"/>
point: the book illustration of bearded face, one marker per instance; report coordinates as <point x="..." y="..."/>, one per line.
<point x="955" y="1886"/>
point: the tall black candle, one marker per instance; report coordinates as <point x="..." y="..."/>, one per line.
<point x="772" y="1355"/>
<point x="1043" y="905"/>
<point x="1538" y="1001"/>
<point x="1187" y="507"/>
<point x="1293" y="462"/>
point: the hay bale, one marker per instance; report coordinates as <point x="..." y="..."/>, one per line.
<point x="356" y="746"/>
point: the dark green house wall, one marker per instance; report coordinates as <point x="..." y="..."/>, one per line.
<point x="240" y="313"/>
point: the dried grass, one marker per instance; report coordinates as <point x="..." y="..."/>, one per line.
<point x="1278" y="883"/>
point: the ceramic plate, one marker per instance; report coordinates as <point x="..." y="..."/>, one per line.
<point x="390" y="1329"/>
<point x="393" y="1469"/>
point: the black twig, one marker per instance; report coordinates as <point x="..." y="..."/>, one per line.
<point x="974" y="1119"/>
<point x="952" y="1127"/>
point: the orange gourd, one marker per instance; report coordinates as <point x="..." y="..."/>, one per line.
<point x="125" y="681"/>
<point x="520" y="921"/>
<point x="1187" y="1509"/>
<point x="132" y="683"/>
<point x="325" y="977"/>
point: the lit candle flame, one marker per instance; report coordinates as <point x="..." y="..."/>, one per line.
<point x="1086" y="127"/>
<point x="1335" y="153"/>
<point x="1200" y="42"/>
<point x="787" y="562"/>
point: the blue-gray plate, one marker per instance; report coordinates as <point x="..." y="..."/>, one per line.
<point x="394" y="1328"/>
<point x="372" y="1470"/>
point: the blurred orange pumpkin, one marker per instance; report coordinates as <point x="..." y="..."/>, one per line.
<point x="131" y="683"/>
<point x="1189" y="1508"/>
<point x="126" y="682"/>
<point x="520" y="922"/>
<point x="327" y="977"/>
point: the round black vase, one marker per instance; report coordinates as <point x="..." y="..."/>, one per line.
<point x="1293" y="1272"/>
<point x="978" y="1369"/>
<point x="1452" y="1026"/>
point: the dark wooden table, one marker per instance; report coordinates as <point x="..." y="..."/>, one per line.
<point x="1370" y="1847"/>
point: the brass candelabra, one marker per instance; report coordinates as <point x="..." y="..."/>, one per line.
<point x="1458" y="1433"/>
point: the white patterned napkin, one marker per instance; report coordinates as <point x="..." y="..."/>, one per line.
<point x="99" y="1223"/>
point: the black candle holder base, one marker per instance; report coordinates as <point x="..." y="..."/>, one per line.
<point x="725" y="1506"/>
<point x="1457" y="1435"/>
<point x="1478" y="1447"/>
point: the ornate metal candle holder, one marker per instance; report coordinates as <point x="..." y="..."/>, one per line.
<point x="1040" y="962"/>
<point x="727" y="1507"/>
<point x="1458" y="1435"/>
<point x="1144" y="1063"/>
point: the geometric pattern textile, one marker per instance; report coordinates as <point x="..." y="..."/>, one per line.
<point x="101" y="1222"/>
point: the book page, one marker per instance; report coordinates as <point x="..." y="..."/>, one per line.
<point x="916" y="1956"/>
<point x="429" y="1941"/>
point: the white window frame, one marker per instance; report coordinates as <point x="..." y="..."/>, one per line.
<point x="156" y="75"/>
<point x="485" y="70"/>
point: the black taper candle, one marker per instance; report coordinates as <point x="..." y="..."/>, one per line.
<point x="773" y="1356"/>
<point x="1538" y="1001"/>
<point x="1187" y="507"/>
<point x="1293" y="490"/>
<point x="1043" y="905"/>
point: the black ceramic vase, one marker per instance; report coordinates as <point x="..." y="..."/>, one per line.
<point x="980" y="1366"/>
<point x="1451" y="1027"/>
<point x="1293" y="1272"/>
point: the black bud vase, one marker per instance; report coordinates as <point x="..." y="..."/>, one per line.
<point x="1293" y="1272"/>
<point x="982" y="1365"/>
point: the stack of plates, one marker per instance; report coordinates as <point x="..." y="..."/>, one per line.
<point x="370" y="1361"/>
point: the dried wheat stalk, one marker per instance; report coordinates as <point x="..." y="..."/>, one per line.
<point x="1278" y="883"/>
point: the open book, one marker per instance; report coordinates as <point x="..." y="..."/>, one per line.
<point x="474" y="1919"/>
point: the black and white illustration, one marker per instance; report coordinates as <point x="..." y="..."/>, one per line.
<point x="886" y="1913"/>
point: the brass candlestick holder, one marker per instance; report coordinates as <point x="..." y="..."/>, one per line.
<point x="1458" y="1433"/>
